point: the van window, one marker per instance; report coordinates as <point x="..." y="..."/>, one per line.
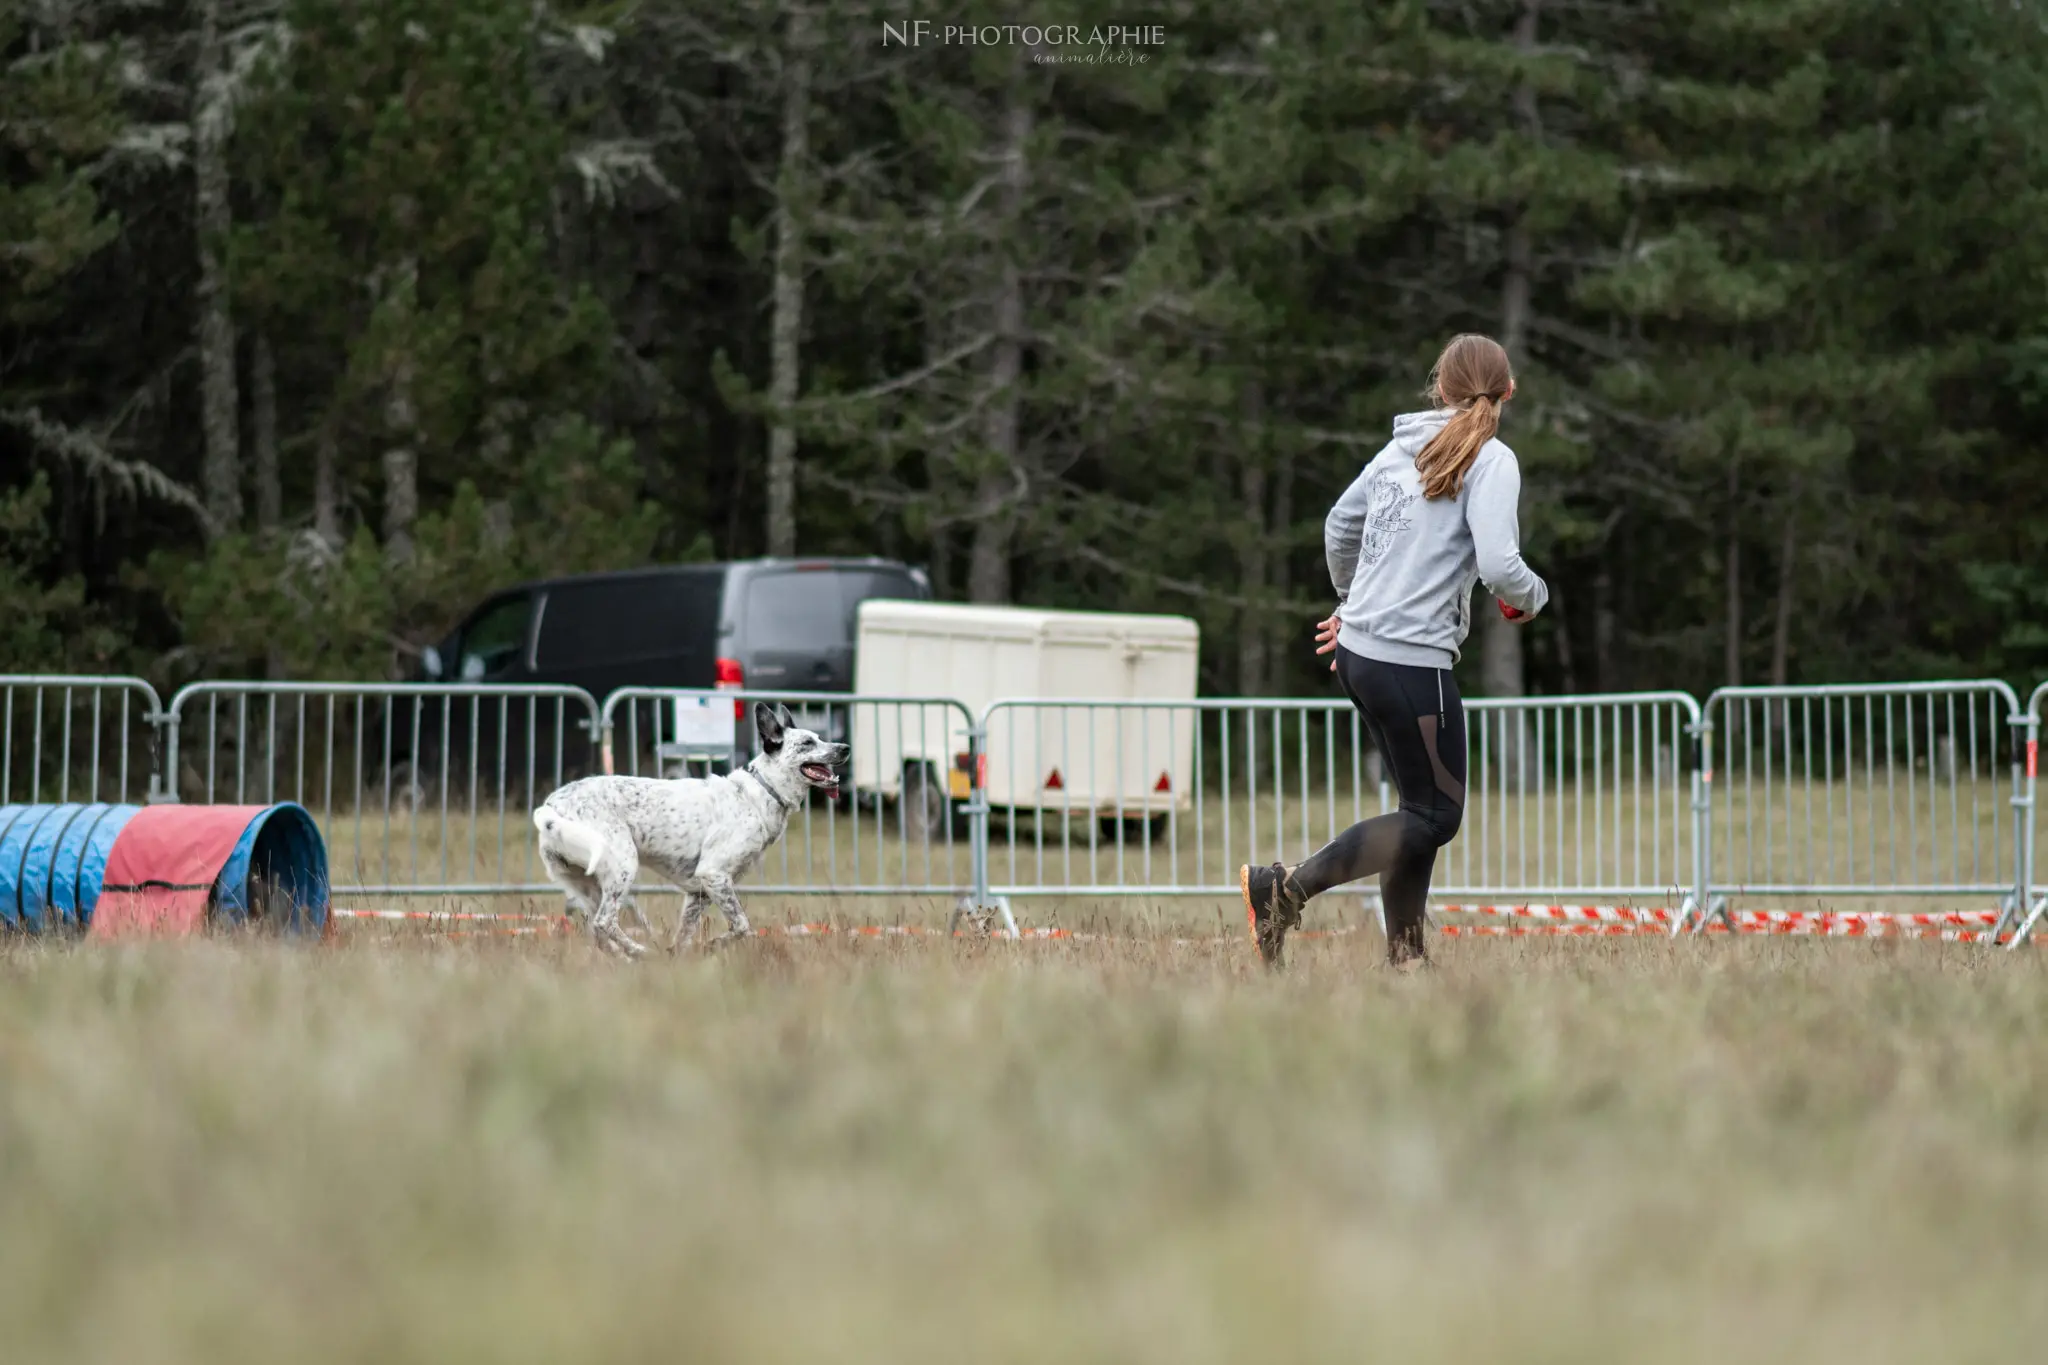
<point x="802" y="609"/>
<point x="630" y="620"/>
<point x="494" y="640"/>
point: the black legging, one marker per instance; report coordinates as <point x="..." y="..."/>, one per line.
<point x="1417" y="721"/>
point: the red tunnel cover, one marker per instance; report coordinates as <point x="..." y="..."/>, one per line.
<point x="163" y="866"/>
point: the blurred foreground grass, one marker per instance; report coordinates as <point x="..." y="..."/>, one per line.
<point x="409" y="1148"/>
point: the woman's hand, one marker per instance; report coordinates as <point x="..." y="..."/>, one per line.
<point x="1511" y="613"/>
<point x="1326" y="638"/>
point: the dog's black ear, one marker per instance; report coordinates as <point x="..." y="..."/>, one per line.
<point x="782" y="714"/>
<point x="769" y="726"/>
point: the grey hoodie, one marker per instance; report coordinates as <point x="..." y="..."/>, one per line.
<point x="1404" y="565"/>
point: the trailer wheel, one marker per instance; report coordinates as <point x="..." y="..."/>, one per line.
<point x="1133" y="828"/>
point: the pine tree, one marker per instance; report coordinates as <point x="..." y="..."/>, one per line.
<point x="410" y="164"/>
<point x="1837" y="230"/>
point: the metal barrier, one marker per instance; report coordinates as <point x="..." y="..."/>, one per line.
<point x="914" y="766"/>
<point x="420" y="789"/>
<point x="1872" y="791"/>
<point x="70" y="738"/>
<point x="2034" y="897"/>
<point x="1888" y="792"/>
<point x="1567" y="796"/>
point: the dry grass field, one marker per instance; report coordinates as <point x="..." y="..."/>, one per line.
<point x="407" y="1147"/>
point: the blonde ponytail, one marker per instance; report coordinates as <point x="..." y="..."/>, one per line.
<point x="1448" y="457"/>
<point x="1474" y="377"/>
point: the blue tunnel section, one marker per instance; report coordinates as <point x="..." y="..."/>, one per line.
<point x="283" y="846"/>
<point x="53" y="863"/>
<point x="53" y="860"/>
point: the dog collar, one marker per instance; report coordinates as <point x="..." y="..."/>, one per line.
<point x="761" y="782"/>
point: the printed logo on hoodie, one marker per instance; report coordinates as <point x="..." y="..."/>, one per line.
<point x="1385" y="502"/>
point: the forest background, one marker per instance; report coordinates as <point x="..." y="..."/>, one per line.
<point x="320" y="320"/>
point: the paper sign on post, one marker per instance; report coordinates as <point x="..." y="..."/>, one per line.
<point x="705" y="723"/>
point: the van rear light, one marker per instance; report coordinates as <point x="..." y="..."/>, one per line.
<point x="730" y="677"/>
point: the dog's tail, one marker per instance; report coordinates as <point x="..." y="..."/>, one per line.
<point x="570" y="840"/>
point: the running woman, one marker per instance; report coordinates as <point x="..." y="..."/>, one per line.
<point x="1434" y="512"/>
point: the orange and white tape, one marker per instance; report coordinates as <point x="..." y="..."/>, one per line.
<point x="443" y="916"/>
<point x="1605" y="914"/>
<point x="1809" y="930"/>
<point x="1948" y="919"/>
<point x="446" y="916"/>
<point x="1627" y="914"/>
<point x="1585" y="921"/>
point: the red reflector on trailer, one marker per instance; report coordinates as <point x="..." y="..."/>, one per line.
<point x="730" y="677"/>
<point x="1053" y="783"/>
<point x="1164" y="784"/>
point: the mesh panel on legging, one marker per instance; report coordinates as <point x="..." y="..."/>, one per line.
<point x="1417" y="722"/>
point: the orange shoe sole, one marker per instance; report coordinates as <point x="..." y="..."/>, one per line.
<point x="1251" y="916"/>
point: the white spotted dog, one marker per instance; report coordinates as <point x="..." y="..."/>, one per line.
<point x="702" y="833"/>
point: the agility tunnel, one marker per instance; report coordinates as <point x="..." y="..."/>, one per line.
<point x="121" y="870"/>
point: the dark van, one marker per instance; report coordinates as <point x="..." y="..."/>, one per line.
<point x="778" y="625"/>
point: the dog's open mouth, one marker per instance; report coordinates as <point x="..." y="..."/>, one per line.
<point x="821" y="775"/>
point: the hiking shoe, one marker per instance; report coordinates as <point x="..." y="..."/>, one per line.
<point x="1272" y="906"/>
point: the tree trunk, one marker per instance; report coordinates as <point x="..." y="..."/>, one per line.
<point x="787" y="327"/>
<point x="219" y="405"/>
<point x="988" y="572"/>
<point x="269" y="488"/>
<point x="1561" y="632"/>
<point x="263" y="431"/>
<point x="1254" y="630"/>
<point x="644" y="307"/>
<point x="401" y="468"/>
<point x="1500" y="640"/>
<point x="1525" y="44"/>
<point x="1731" y="591"/>
<point x="1252" y="623"/>
<point x="1606" y="667"/>
<point x="1781" y="635"/>
<point x="327" y="484"/>
<point x="1278" y="577"/>
<point x="939" y="565"/>
<point x="1781" y="631"/>
<point x="401" y="465"/>
<point x="1501" y="664"/>
<point x="1731" y="564"/>
<point x="1502" y="667"/>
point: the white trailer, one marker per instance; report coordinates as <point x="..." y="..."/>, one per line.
<point x="1130" y="762"/>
